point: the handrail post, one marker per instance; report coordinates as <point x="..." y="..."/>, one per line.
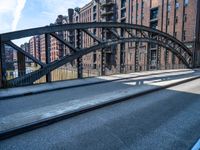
<point x="79" y="60"/>
<point x="21" y="64"/>
<point x="48" y="55"/>
<point x="103" y="59"/>
<point x="2" y="65"/>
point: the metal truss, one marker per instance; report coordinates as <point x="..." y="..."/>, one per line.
<point x="143" y="34"/>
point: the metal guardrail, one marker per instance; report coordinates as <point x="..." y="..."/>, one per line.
<point x="144" y="34"/>
<point x="64" y="73"/>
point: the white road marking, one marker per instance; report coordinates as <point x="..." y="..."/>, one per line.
<point x="196" y="146"/>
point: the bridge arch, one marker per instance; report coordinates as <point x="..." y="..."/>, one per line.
<point x="134" y="33"/>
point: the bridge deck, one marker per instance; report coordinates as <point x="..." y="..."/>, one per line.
<point x="41" y="88"/>
<point x="169" y="116"/>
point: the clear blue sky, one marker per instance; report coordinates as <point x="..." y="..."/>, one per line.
<point x="23" y="14"/>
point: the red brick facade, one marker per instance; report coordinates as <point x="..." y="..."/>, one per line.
<point x="175" y="17"/>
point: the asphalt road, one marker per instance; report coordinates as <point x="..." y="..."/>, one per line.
<point x="167" y="119"/>
<point x="26" y="103"/>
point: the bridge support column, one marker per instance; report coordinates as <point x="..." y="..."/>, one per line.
<point x="21" y="64"/>
<point x="2" y="65"/>
<point x="80" y="67"/>
<point x="166" y="58"/>
<point x="194" y="52"/>
<point x="79" y="60"/>
<point x="103" y="62"/>
<point x="173" y="61"/>
<point x="158" y="58"/>
<point x="148" y="57"/>
<point x="48" y="55"/>
<point x="103" y="55"/>
<point x="136" y="57"/>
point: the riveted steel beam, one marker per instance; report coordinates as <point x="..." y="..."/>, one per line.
<point x="79" y="59"/>
<point x="57" y="28"/>
<point x="48" y="56"/>
<point x="147" y="34"/>
<point x="2" y="64"/>
<point x="103" y="57"/>
<point x="54" y="65"/>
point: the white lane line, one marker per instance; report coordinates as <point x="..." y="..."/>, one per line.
<point x="196" y="146"/>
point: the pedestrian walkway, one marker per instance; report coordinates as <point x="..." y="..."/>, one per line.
<point x="40" y="88"/>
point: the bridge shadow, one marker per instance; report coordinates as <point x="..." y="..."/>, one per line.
<point x="154" y="79"/>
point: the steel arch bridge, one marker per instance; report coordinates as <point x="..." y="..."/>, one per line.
<point x="133" y="33"/>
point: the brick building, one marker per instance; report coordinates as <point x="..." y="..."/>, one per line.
<point x="34" y="47"/>
<point x="88" y="13"/>
<point x="26" y="47"/>
<point x="42" y="48"/>
<point x="180" y="18"/>
<point x="57" y="48"/>
<point x="9" y="53"/>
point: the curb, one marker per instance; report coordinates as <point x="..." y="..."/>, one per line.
<point x="45" y="122"/>
<point x="196" y="146"/>
<point x="80" y="85"/>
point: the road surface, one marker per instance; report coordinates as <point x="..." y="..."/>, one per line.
<point x="167" y="119"/>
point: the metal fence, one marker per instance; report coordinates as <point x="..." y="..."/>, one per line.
<point x="64" y="73"/>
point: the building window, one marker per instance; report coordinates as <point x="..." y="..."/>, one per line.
<point x="154" y="13"/>
<point x="177" y="5"/>
<point x="94" y="16"/>
<point x="185" y="17"/>
<point x="153" y="55"/>
<point x="94" y="31"/>
<point x="94" y="8"/>
<point x="175" y="34"/>
<point x="168" y="21"/>
<point x="142" y="6"/>
<point x="169" y="8"/>
<point x="153" y="45"/>
<point x="94" y="58"/>
<point x="123" y="13"/>
<point x="142" y="15"/>
<point x="122" y="33"/>
<point x="186" y="2"/>
<point x="154" y="24"/>
<point x="176" y="20"/>
<point x="122" y="46"/>
<point x="137" y="6"/>
<point x="123" y="3"/>
<point x="184" y="35"/>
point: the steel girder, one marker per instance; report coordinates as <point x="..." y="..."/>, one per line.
<point x="144" y="34"/>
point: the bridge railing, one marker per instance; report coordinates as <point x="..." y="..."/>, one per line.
<point x="62" y="74"/>
<point x="109" y="35"/>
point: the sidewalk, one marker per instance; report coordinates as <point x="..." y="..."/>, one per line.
<point x="40" y="88"/>
<point x="21" y="122"/>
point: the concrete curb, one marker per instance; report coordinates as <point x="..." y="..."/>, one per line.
<point x="196" y="146"/>
<point x="82" y="85"/>
<point x="50" y="120"/>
